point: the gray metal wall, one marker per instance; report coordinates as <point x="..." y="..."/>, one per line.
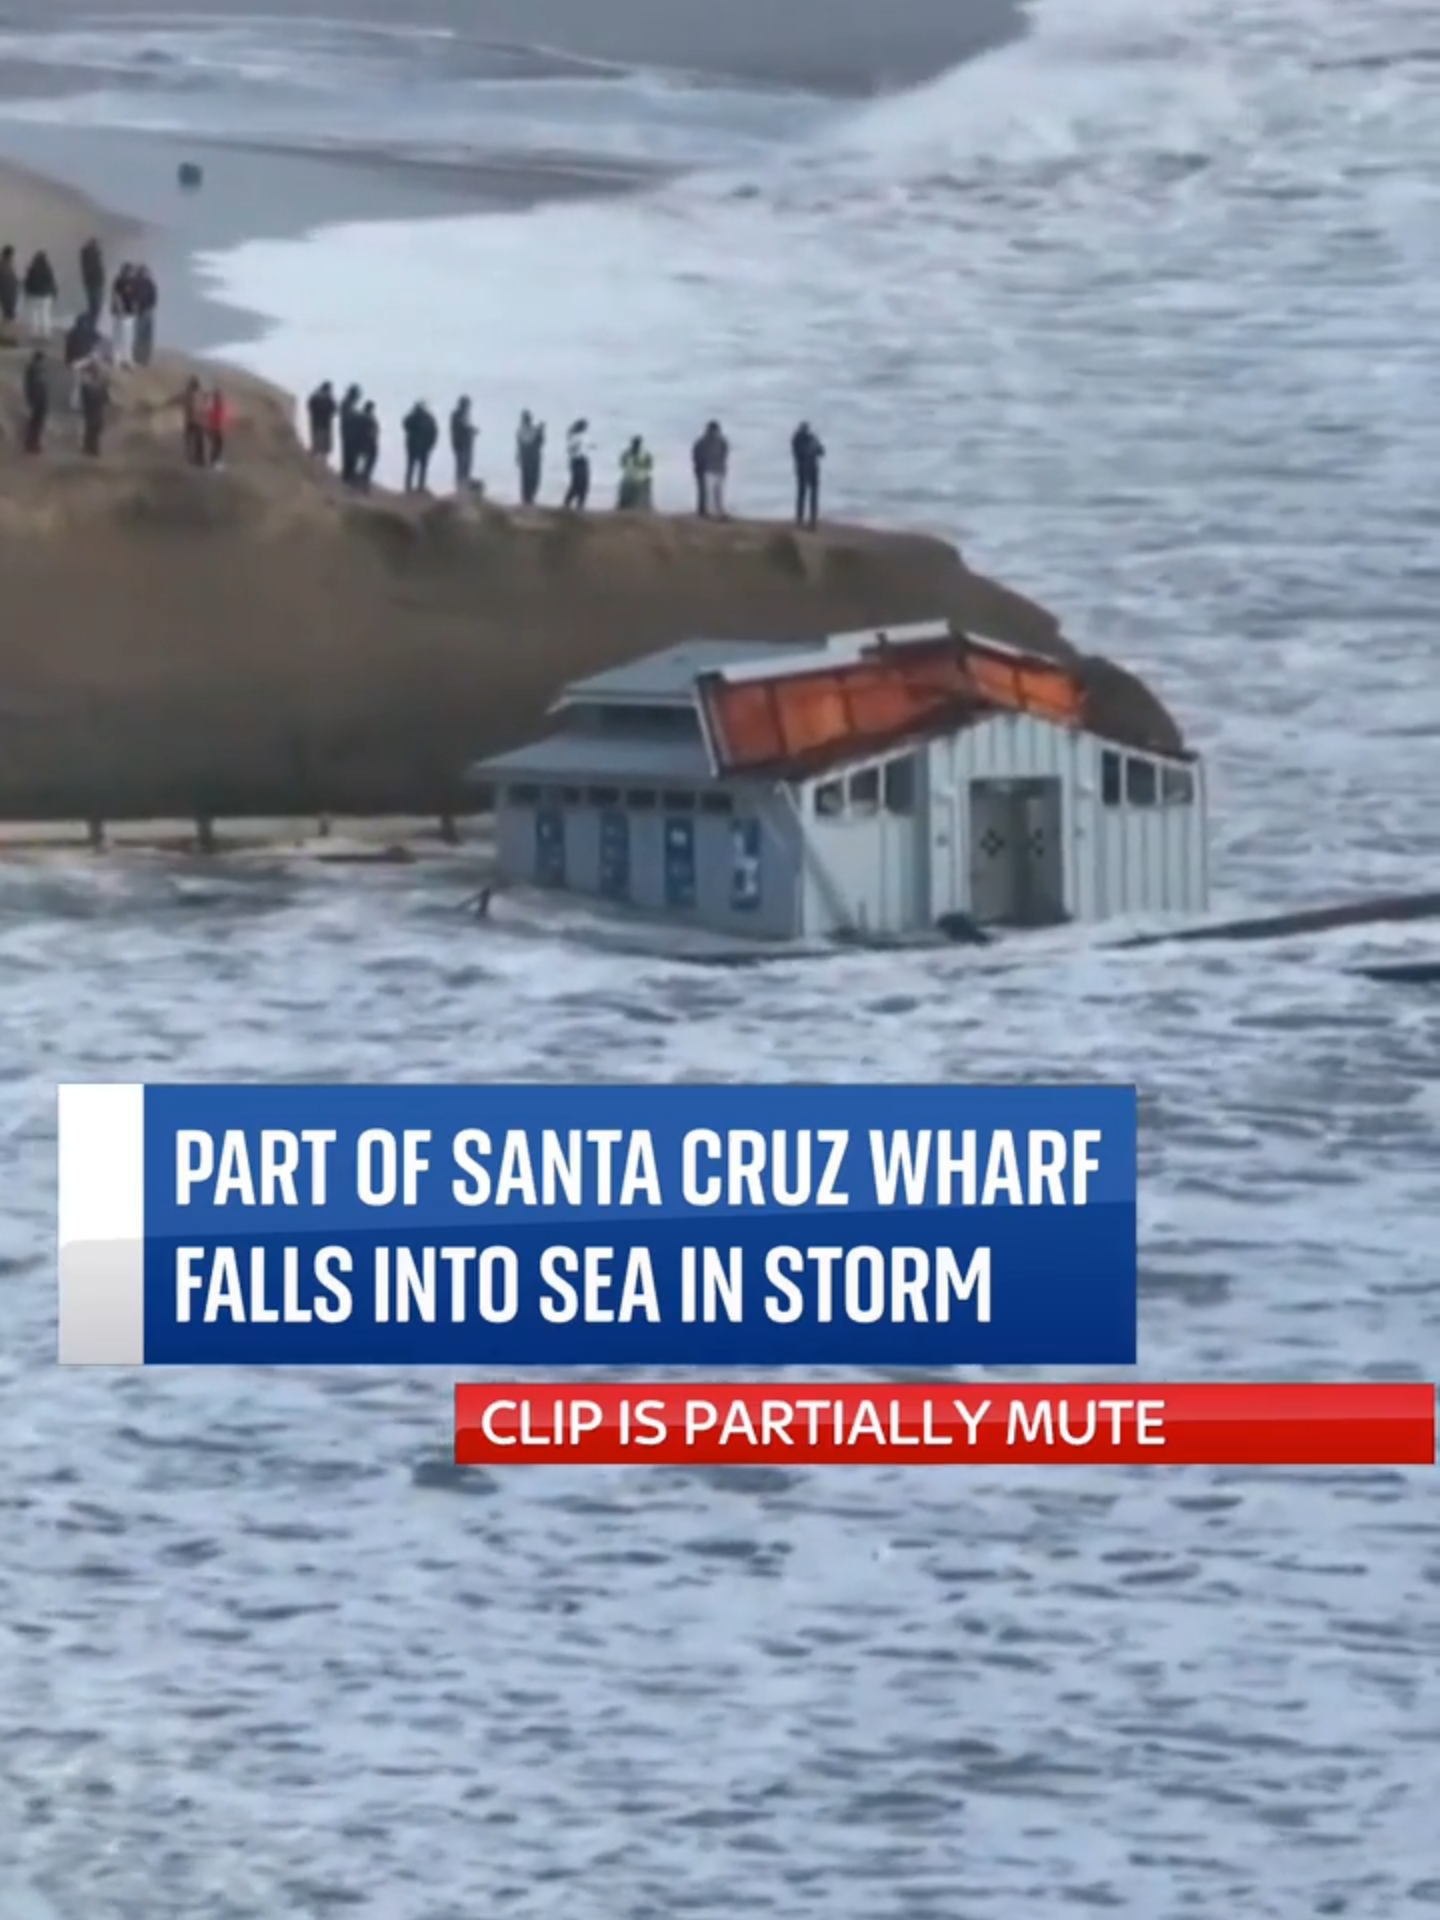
<point x="773" y="909"/>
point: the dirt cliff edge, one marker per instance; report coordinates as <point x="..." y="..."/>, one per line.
<point x="256" y="641"/>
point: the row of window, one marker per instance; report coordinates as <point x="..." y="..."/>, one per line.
<point x="1128" y="781"/>
<point x="630" y="799"/>
<point x="890" y="788"/>
<point x="1125" y="780"/>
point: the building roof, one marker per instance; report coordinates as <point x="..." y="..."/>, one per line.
<point x="774" y="710"/>
<point x="802" y="715"/>
<point x="668" y="678"/>
<point x="572" y="758"/>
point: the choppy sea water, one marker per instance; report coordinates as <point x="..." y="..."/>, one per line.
<point x="1142" y="310"/>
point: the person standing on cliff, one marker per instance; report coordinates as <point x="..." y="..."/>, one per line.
<point x="577" y="453"/>
<point x="463" y="435"/>
<point x="711" y="455"/>
<point x="92" y="278"/>
<point x="422" y="431"/>
<point x="807" y="452"/>
<point x="81" y="343"/>
<point x="367" y="443"/>
<point x="40" y="290"/>
<point x="192" y="415"/>
<point x="147" y="299"/>
<point x="529" y="456"/>
<point x="122" y="316"/>
<point x="321" y="409"/>
<point x="350" y="437"/>
<point x="217" y="428"/>
<point x="637" y="478"/>
<point x="9" y="287"/>
<point x="37" y="401"/>
<point x="94" y="408"/>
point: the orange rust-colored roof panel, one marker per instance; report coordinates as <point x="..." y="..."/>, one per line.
<point x="830" y="713"/>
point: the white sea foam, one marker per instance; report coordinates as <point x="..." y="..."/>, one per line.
<point x="1145" y="311"/>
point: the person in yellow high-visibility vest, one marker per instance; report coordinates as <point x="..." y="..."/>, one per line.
<point x="637" y="478"/>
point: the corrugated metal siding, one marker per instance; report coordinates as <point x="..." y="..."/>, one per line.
<point x="1153" y="859"/>
<point x="863" y="875"/>
<point x="898" y="873"/>
<point x="865" y="872"/>
<point x="1008" y="747"/>
<point x="1120" y="859"/>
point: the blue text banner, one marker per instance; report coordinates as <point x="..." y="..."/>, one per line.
<point x="598" y="1226"/>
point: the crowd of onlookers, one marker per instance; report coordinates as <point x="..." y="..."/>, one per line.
<point x="348" y="426"/>
<point x="115" y="330"/>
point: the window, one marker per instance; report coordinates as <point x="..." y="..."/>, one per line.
<point x="641" y="799"/>
<point x="615" y="720"/>
<point x="900" y="784"/>
<point x="571" y="797"/>
<point x="522" y="796"/>
<point x="716" y="803"/>
<point x="1141" y="784"/>
<point x="603" y="796"/>
<point x="678" y="801"/>
<point x="1177" y="787"/>
<point x="865" y="791"/>
<point x="1110" y="778"/>
<point x="830" y="799"/>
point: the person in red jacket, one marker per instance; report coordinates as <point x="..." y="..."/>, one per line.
<point x="217" y="425"/>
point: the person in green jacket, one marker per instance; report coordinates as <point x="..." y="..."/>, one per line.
<point x="637" y="478"/>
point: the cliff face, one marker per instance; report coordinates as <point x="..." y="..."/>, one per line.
<point x="256" y="642"/>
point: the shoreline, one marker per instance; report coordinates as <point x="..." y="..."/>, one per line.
<point x="48" y="194"/>
<point x="843" y="49"/>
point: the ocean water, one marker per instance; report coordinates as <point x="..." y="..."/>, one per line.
<point x="432" y="93"/>
<point x="1142" y="310"/>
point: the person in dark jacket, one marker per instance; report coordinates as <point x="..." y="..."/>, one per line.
<point x="351" y="437"/>
<point x="529" y="456"/>
<point x="146" y="295"/>
<point x="421" y="430"/>
<point x="807" y="452"/>
<point x="321" y="408"/>
<point x="217" y="427"/>
<point x="577" y="455"/>
<point x="711" y="457"/>
<point x="37" y="401"/>
<point x="463" y="433"/>
<point x="40" y="289"/>
<point x="92" y="278"/>
<point x="94" y="408"/>
<point x="81" y="343"/>
<point x="9" y="287"/>
<point x="697" y="467"/>
<point x="367" y="432"/>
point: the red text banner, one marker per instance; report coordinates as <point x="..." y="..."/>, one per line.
<point x="1125" y="1424"/>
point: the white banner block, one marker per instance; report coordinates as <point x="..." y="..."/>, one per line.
<point x="102" y="1226"/>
